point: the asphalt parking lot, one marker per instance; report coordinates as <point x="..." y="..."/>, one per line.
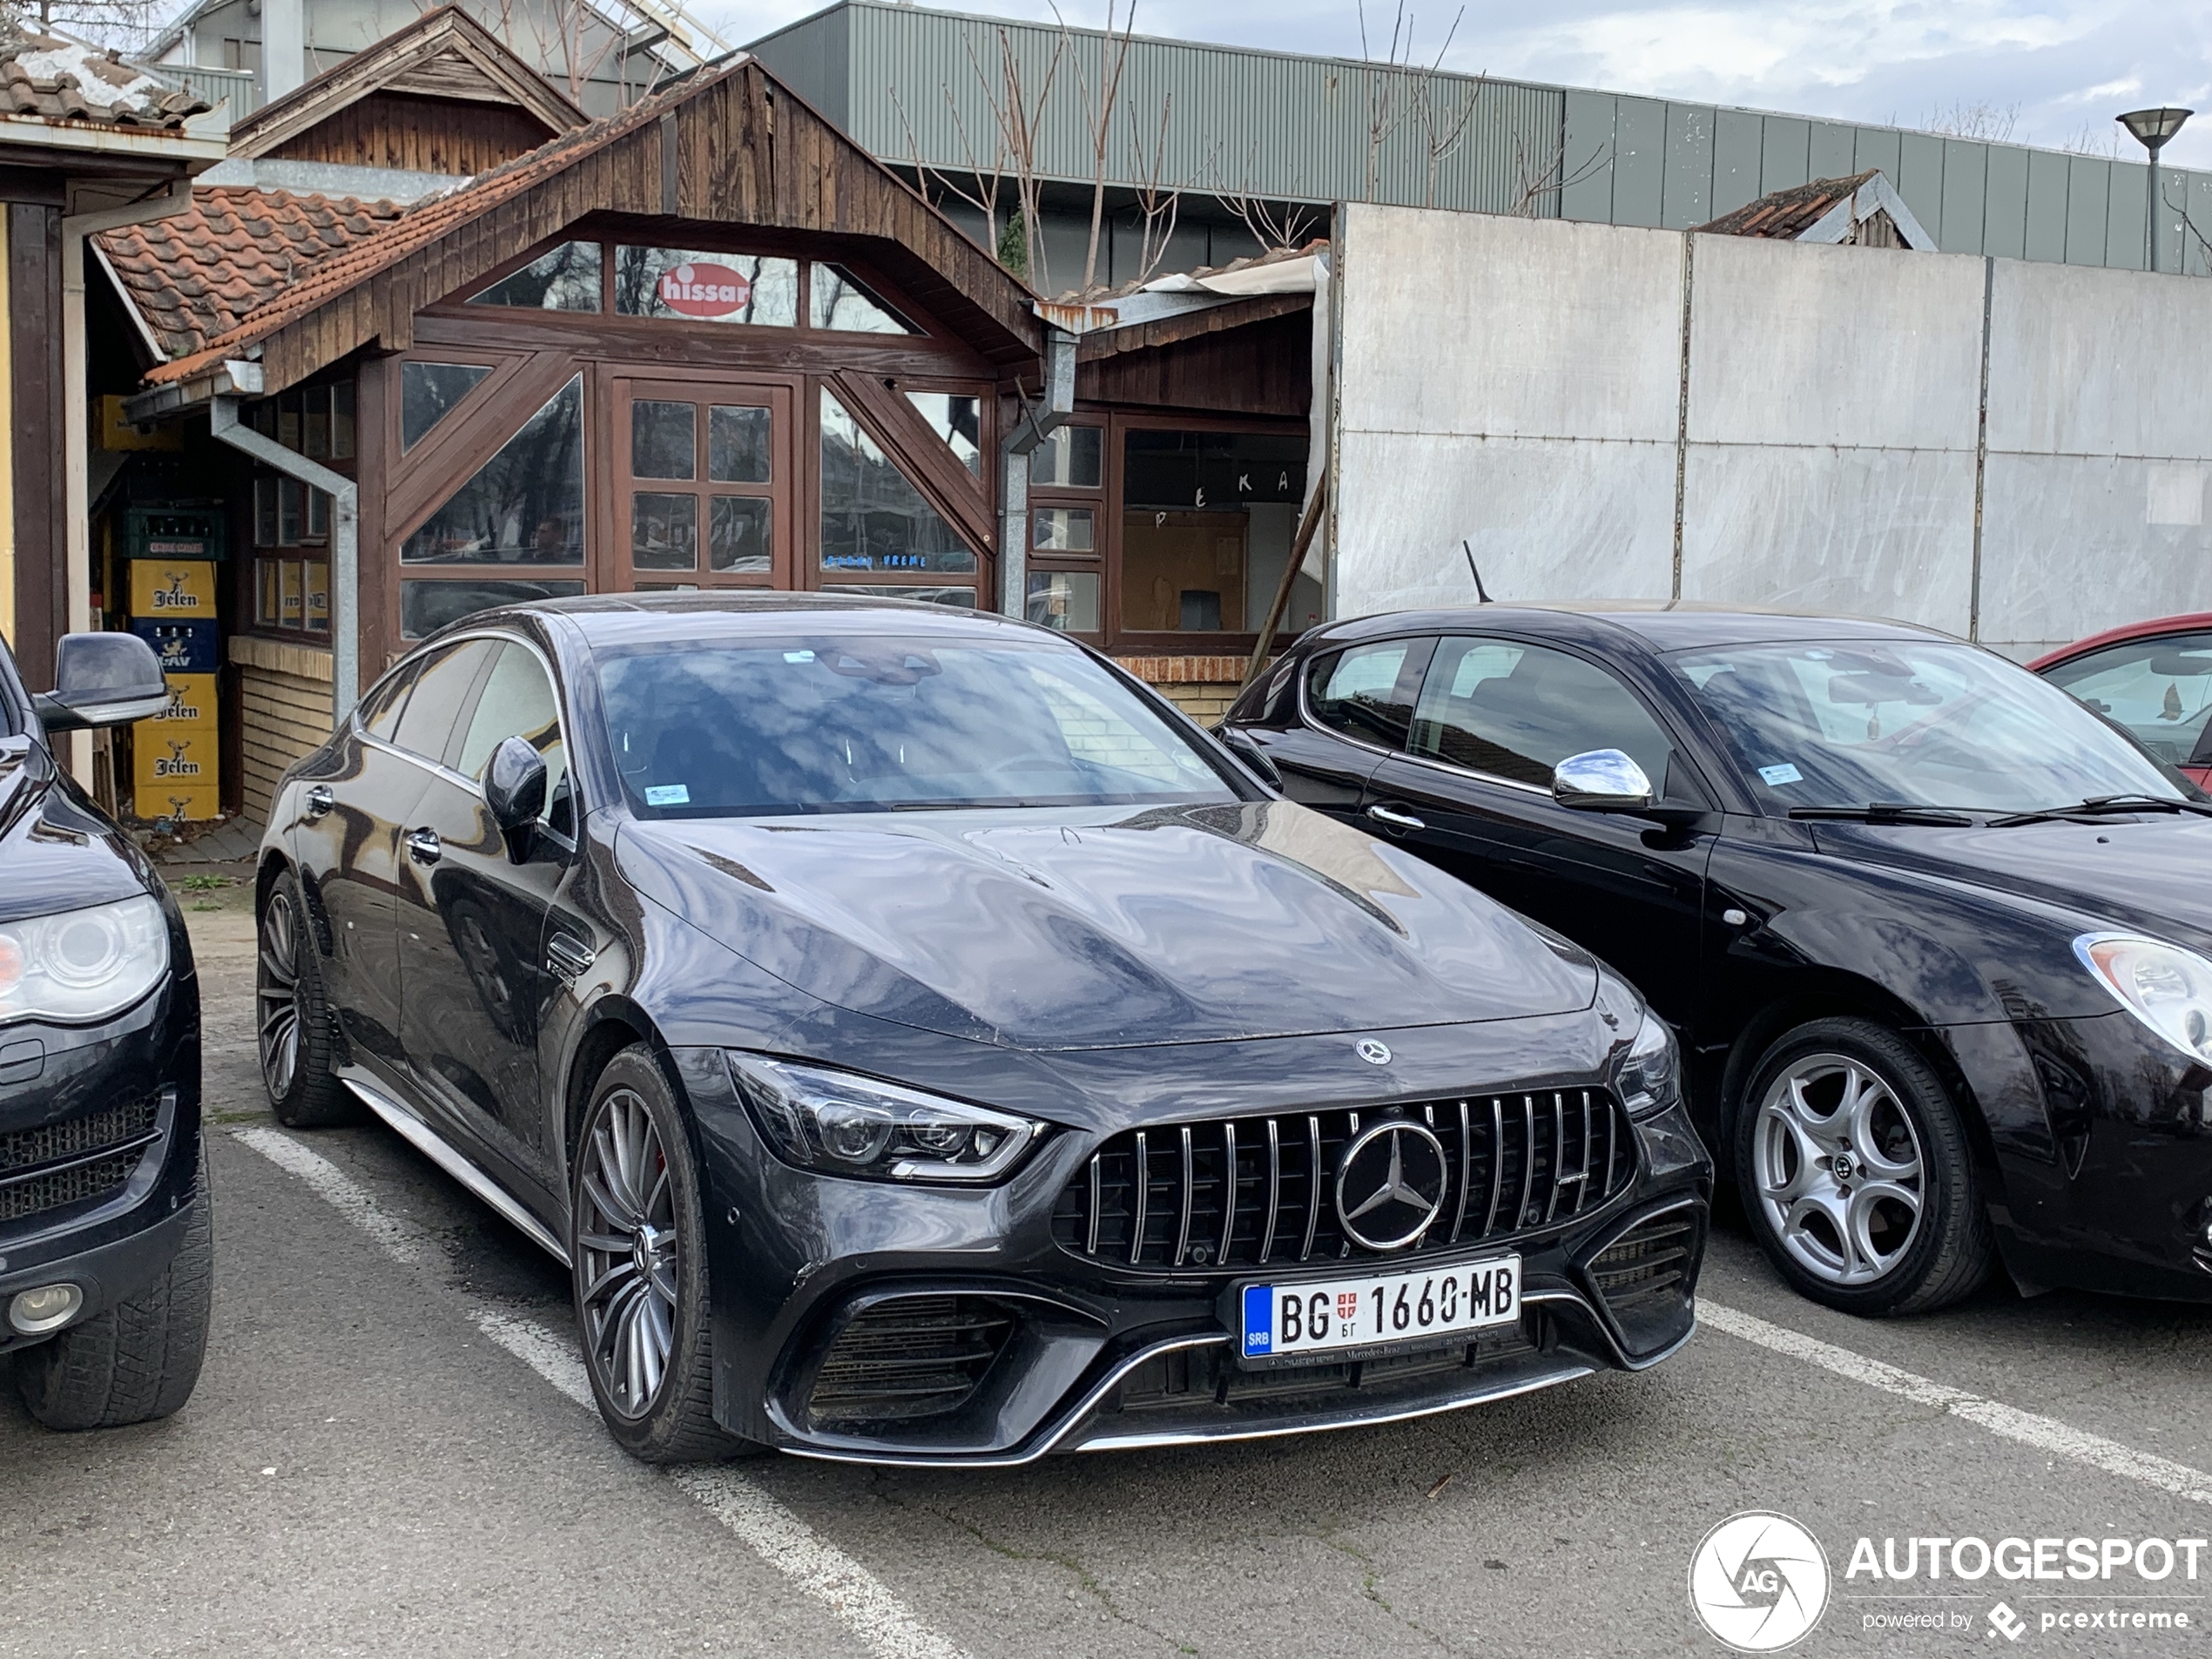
<point x="389" y="1454"/>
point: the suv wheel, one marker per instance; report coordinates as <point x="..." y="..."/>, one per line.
<point x="641" y="1269"/>
<point x="140" y="1358"/>
<point x="292" y="1019"/>
<point x="1856" y="1173"/>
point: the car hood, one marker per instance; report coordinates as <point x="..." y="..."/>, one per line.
<point x="1088" y="928"/>
<point x="2146" y="874"/>
<point x="54" y="855"/>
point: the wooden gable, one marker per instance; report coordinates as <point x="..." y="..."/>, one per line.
<point x="442" y="95"/>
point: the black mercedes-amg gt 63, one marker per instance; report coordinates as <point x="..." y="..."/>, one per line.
<point x="925" y="1045"/>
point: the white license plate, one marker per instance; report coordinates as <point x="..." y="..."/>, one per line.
<point x="1382" y="1308"/>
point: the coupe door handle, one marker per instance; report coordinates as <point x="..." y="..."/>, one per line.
<point x="423" y="845"/>
<point x="320" y="798"/>
<point x="567" y="957"/>
<point x="1395" y="818"/>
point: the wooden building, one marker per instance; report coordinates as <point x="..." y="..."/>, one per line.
<point x="706" y="342"/>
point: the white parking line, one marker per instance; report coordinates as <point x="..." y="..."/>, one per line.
<point x="855" y="1596"/>
<point x="2043" y="1434"/>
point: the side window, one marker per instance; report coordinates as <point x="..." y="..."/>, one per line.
<point x="518" y="702"/>
<point x="380" y="713"/>
<point x="2160" y="690"/>
<point x="442" y="691"/>
<point x="1516" y="711"/>
<point x="1367" y="692"/>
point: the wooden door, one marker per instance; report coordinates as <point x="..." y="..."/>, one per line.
<point x="704" y="483"/>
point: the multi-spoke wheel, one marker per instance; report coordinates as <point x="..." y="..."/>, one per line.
<point x="640" y="1268"/>
<point x="292" y="1022"/>
<point x="1857" y="1173"/>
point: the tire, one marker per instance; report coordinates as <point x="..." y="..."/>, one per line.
<point x="1889" y="1220"/>
<point x="140" y="1359"/>
<point x="647" y="1336"/>
<point x="291" y="1016"/>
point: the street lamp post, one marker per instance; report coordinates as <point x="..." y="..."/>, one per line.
<point x="2152" y="129"/>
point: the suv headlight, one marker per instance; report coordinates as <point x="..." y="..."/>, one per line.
<point x="2170" y="989"/>
<point x="80" y="964"/>
<point x="1648" y="1070"/>
<point x="840" y="1124"/>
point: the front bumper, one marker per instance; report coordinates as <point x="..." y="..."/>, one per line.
<point x="2102" y="1133"/>
<point x="1089" y="1358"/>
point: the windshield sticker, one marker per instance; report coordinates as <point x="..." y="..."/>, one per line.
<point x="668" y="795"/>
<point x="798" y="657"/>
<point x="1775" y="777"/>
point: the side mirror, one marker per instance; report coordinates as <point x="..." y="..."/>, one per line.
<point x="1602" y="781"/>
<point x="515" y="791"/>
<point x="1246" y="748"/>
<point x="102" y="679"/>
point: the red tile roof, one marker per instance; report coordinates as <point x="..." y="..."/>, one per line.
<point x="42" y="77"/>
<point x="1785" y="215"/>
<point x="195" y="276"/>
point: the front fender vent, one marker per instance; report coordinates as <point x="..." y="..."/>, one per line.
<point x="911" y="1356"/>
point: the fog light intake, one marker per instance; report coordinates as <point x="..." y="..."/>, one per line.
<point x="48" y="1308"/>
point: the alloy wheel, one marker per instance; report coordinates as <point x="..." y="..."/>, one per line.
<point x="279" y="1005"/>
<point x="1839" y="1169"/>
<point x="626" y="1242"/>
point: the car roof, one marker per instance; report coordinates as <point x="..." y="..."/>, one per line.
<point x="2195" y="623"/>
<point x="610" y="618"/>
<point x="1659" y="627"/>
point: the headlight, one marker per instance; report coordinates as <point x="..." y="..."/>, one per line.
<point x="843" y="1124"/>
<point x="81" y="964"/>
<point x="2170" y="989"/>
<point x="1649" y="1071"/>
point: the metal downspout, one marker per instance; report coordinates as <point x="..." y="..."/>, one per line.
<point x="345" y="544"/>
<point x="1055" y="403"/>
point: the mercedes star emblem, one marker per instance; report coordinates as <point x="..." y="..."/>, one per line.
<point x="1374" y="1053"/>
<point x="1390" y="1185"/>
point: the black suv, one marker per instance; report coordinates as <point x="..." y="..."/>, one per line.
<point x="105" y="1242"/>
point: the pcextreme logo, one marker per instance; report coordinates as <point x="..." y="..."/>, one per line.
<point x="1758" y="1582"/>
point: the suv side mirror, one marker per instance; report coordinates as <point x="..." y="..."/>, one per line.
<point x="515" y="791"/>
<point x="102" y="679"/>
<point x="1602" y="781"/>
<point x="1246" y="748"/>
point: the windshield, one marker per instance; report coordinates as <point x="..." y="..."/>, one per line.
<point x="1919" y="723"/>
<point x="739" y="728"/>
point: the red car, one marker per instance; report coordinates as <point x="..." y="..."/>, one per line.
<point x="2153" y="678"/>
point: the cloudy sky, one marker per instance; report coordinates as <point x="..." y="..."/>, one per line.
<point x="2052" y="71"/>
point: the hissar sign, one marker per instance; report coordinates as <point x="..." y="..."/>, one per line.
<point x="705" y="290"/>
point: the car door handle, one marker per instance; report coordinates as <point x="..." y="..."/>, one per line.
<point x="567" y="957"/>
<point x="423" y="845"/>
<point x="1395" y="818"/>
<point x="320" y="798"/>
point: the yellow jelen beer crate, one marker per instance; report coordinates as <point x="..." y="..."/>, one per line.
<point x="192" y="708"/>
<point x="173" y="770"/>
<point x="173" y="589"/>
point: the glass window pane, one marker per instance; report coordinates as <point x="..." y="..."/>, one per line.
<point x="428" y="392"/>
<point x="268" y="581"/>
<point x="517" y="702"/>
<point x="957" y="419"/>
<point x="318" y="580"/>
<point x="525" y="505"/>
<point x="314" y="433"/>
<point x="872" y="519"/>
<point x="1062" y="529"/>
<point x="706" y="287"/>
<point x="290" y="602"/>
<point x="265" y="509"/>
<point x="663" y="440"/>
<point x="738" y="533"/>
<point x="427" y="606"/>
<point x="564" y="279"/>
<point x="291" y="505"/>
<point x="1516" y="711"/>
<point x="342" y="421"/>
<point x="1208" y="522"/>
<point x="2160" y="689"/>
<point x="1367" y="692"/>
<point x="1067" y="600"/>
<point x="318" y="514"/>
<point x="380" y="708"/>
<point x="288" y="419"/>
<point x="738" y="444"/>
<point x="838" y="301"/>
<point x="1072" y="458"/>
<point x="663" y="531"/>
<point x="444" y="685"/>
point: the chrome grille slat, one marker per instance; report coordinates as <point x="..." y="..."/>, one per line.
<point x="1524" y="1158"/>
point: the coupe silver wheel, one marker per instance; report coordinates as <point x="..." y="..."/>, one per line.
<point x="1839" y="1169"/>
<point x="626" y="1241"/>
<point x="276" y="996"/>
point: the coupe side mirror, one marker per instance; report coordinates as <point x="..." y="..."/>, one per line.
<point x="1602" y="781"/>
<point x="102" y="679"/>
<point x="515" y="791"/>
<point x="1246" y="748"/>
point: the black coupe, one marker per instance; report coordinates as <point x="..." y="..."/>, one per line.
<point x="924" y="1044"/>
<point x="1937" y="938"/>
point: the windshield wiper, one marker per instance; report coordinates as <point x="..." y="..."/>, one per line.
<point x="2098" y="806"/>
<point x="1886" y="812"/>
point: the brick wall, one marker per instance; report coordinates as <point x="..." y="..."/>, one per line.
<point x="1203" y="687"/>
